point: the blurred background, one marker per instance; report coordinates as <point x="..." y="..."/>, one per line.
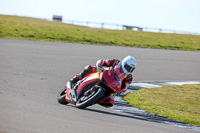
<point x="170" y="16"/>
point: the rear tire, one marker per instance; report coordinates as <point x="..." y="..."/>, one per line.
<point x="91" y="99"/>
<point x="61" y="97"/>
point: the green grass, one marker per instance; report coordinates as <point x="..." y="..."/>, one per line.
<point x="181" y="103"/>
<point x="35" y="29"/>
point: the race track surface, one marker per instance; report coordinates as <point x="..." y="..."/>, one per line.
<point x="33" y="72"/>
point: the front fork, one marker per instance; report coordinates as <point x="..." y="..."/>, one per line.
<point x="70" y="93"/>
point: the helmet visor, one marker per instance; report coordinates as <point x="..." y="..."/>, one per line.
<point x="129" y="68"/>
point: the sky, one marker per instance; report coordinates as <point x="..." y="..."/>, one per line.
<point x="182" y="15"/>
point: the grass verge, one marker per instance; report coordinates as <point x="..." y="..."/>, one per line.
<point x="181" y="103"/>
<point x="35" y="29"/>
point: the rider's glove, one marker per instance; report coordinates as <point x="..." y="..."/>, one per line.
<point x="118" y="93"/>
<point x="101" y="69"/>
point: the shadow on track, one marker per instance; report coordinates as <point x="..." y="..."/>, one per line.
<point x="158" y="119"/>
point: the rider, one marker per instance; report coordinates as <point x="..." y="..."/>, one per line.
<point x="128" y="64"/>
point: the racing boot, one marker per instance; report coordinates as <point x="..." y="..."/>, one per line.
<point x="87" y="70"/>
<point x="75" y="79"/>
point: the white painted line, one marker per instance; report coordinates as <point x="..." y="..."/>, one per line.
<point x="182" y="83"/>
<point x="144" y="85"/>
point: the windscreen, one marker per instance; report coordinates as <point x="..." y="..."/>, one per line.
<point x="119" y="72"/>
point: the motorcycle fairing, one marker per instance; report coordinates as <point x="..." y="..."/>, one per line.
<point x="110" y="77"/>
<point x="89" y="80"/>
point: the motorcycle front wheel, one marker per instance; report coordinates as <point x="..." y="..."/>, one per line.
<point x="90" y="97"/>
<point x="61" y="96"/>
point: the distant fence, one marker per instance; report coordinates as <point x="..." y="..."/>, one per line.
<point x="125" y="27"/>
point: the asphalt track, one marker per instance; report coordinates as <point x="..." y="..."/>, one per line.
<point x="33" y="72"/>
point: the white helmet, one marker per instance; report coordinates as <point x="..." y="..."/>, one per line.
<point x="128" y="64"/>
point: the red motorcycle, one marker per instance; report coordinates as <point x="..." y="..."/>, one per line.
<point x="92" y="89"/>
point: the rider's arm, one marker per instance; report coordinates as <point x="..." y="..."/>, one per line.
<point x="125" y="82"/>
<point x="106" y="63"/>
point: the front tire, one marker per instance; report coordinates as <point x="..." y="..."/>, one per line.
<point x="61" y="97"/>
<point x="90" y="97"/>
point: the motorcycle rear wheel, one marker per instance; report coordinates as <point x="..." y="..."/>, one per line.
<point x="88" y="100"/>
<point x="61" y="97"/>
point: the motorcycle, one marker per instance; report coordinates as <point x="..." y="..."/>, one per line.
<point x="92" y="89"/>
